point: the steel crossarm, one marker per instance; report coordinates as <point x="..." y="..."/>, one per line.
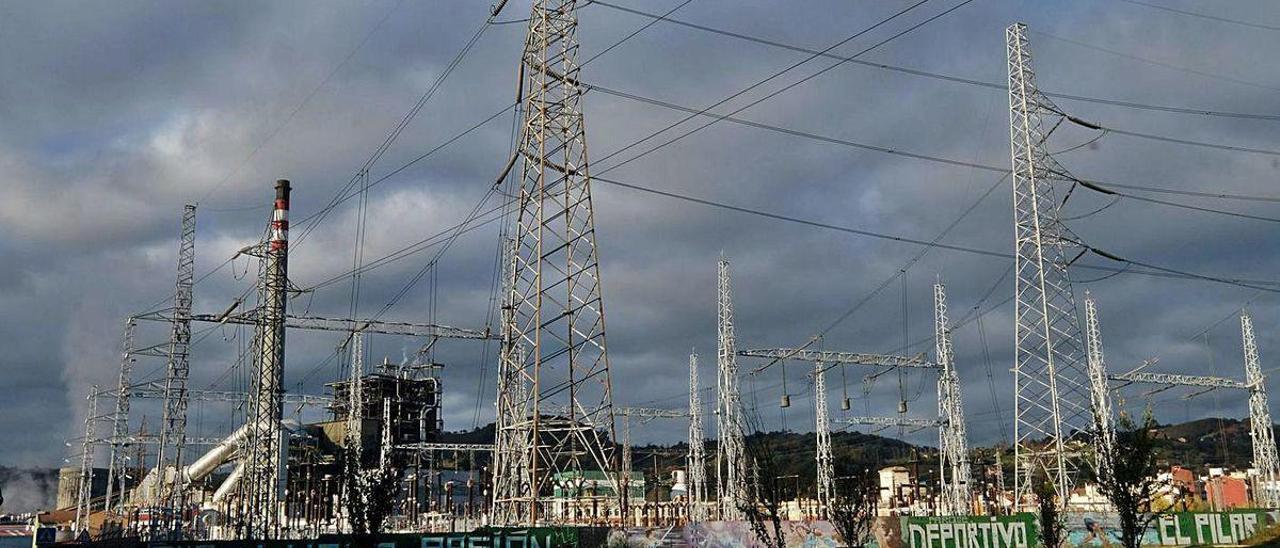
<point x="1170" y="379"/>
<point x="891" y="421"/>
<point x="155" y="390"/>
<point x="429" y="446"/>
<point x="343" y="325"/>
<point x="840" y="358"/>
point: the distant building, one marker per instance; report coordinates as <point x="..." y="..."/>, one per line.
<point x="69" y="485"/>
<point x="1226" y="492"/>
<point x="895" y="490"/>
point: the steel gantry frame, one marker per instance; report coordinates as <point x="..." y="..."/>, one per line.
<point x="697" y="448"/>
<point x="953" y="441"/>
<point x="1265" y="460"/>
<point x="556" y="354"/>
<point x="1104" y="428"/>
<point x="824" y="360"/>
<point x="731" y="458"/>
<point x="1050" y="377"/>
<point x="173" y="426"/>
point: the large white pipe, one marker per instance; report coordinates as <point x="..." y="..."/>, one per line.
<point x="215" y="457"/>
<point x="228" y="485"/>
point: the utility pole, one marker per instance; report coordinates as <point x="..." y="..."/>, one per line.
<point x="116" y="468"/>
<point x="1103" y="422"/>
<point x="557" y="355"/>
<point x="1261" y="429"/>
<point x="84" y="497"/>
<point x="822" y="431"/>
<point x="1050" y="377"/>
<point x="730" y="425"/>
<point x="953" y="446"/>
<point x="697" y="450"/>
<point x="264" y="470"/>
<point x="173" y="427"/>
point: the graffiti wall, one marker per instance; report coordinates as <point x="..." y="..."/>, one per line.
<point x="1016" y="531"/>
<point x="1217" y="528"/>
<point x="537" y="537"/>
<point x="738" y="534"/>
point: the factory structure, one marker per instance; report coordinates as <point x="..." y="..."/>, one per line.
<point x="374" y="455"/>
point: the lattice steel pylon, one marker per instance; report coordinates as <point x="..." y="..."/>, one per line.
<point x="173" y="427"/>
<point x="556" y="354"/>
<point x="353" y="438"/>
<point x="1261" y="429"/>
<point x="953" y="437"/>
<point x="116" y="469"/>
<point x="696" y="462"/>
<point x="822" y="433"/>
<point x="1104" y="428"/>
<point x="1051" y="399"/>
<point x="264" y="476"/>
<point x="84" y="493"/>
<point x="731" y="464"/>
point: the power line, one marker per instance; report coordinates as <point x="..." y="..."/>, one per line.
<point x="1179" y="141"/>
<point x="399" y="128"/>
<point x="305" y="100"/>
<point x="1001" y="87"/>
<point x="1159" y="63"/>
<point x="1092" y="185"/>
<point x="1272" y="286"/>
<point x="1204" y="16"/>
<point x="784" y="88"/>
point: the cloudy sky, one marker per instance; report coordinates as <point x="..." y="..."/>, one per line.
<point x="115" y="115"/>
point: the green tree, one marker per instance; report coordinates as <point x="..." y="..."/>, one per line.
<point x="853" y="505"/>
<point x="1133" y="485"/>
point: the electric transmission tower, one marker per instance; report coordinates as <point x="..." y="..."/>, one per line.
<point x="697" y="456"/>
<point x="84" y="495"/>
<point x="116" y="468"/>
<point x="1051" y="400"/>
<point x="1265" y="461"/>
<point x="1103" y="423"/>
<point x="953" y="444"/>
<point x="264" y="475"/>
<point x="556" y="353"/>
<point x="822" y="431"/>
<point x="731" y="464"/>
<point x="173" y="427"/>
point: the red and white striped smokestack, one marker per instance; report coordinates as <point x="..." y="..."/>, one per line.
<point x="280" y="219"/>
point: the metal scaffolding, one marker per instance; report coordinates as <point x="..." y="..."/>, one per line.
<point x="953" y="440"/>
<point x="731" y="463"/>
<point x="1051" y="399"/>
<point x="556" y="352"/>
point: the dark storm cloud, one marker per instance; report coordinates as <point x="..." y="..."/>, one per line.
<point x="117" y="114"/>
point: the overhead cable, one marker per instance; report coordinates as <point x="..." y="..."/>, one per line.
<point x="1002" y="87"/>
